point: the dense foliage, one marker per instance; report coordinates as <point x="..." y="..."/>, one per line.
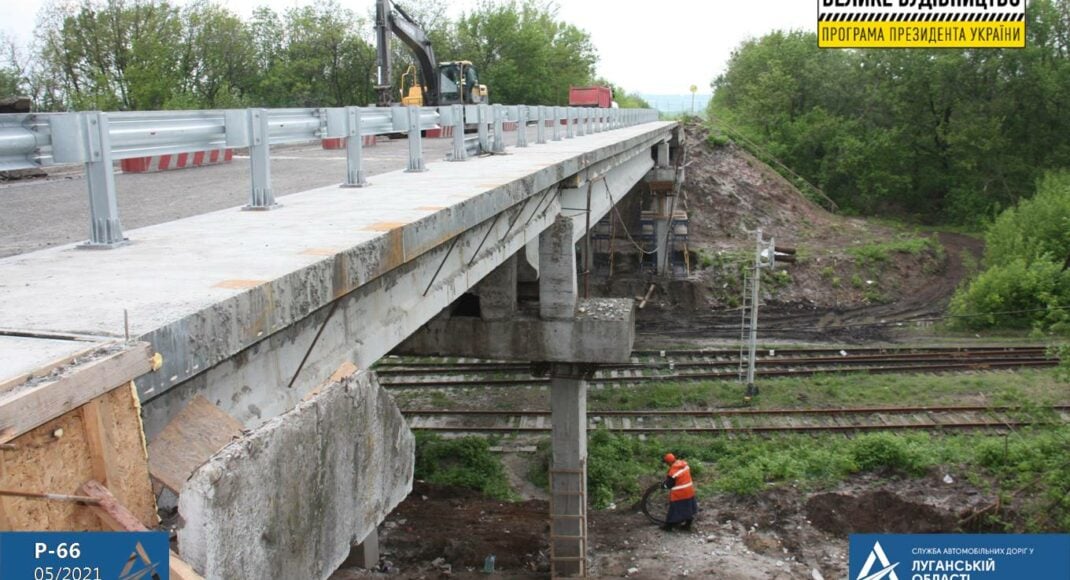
<point x="155" y="54"/>
<point x="463" y="462"/>
<point x="935" y="135"/>
<point x="1026" y="283"/>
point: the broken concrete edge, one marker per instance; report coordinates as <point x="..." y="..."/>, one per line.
<point x="193" y="344"/>
<point x="602" y="331"/>
<point x="290" y="498"/>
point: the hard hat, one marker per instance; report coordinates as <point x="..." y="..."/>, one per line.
<point x="669" y="458"/>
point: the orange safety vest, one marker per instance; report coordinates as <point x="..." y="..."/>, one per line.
<point x="681" y="474"/>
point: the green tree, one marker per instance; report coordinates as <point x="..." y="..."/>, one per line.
<point x="524" y="54"/>
<point x="1026" y="282"/>
<point x="10" y="83"/>
<point x="217" y="59"/>
<point x="112" y="54"/>
<point x="934" y="135"/>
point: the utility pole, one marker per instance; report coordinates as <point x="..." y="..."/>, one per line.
<point x="752" y="338"/>
<point x="766" y="255"/>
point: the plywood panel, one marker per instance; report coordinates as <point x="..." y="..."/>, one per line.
<point x="193" y="436"/>
<point x="58" y="457"/>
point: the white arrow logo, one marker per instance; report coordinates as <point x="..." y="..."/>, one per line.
<point x="878" y="555"/>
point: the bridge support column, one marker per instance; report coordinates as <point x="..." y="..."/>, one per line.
<point x="558" y="289"/>
<point x="663" y="154"/>
<point x="558" y="296"/>
<point x="568" y="470"/>
<point x="365" y="554"/>
<point x="662" y="222"/>
<point x="662" y="182"/>
<point x="497" y="292"/>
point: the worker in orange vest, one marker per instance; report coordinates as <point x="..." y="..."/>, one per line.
<point x="682" y="503"/>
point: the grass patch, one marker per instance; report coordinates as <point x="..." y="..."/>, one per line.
<point x="1030" y="464"/>
<point x="881" y="252"/>
<point x="464" y="462"/>
<point x="1040" y="386"/>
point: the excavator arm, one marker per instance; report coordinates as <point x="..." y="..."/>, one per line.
<point x="389" y="19"/>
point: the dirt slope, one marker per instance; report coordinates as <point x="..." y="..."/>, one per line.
<point x="851" y="272"/>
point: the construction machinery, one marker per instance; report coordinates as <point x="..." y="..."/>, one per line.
<point x="447" y="83"/>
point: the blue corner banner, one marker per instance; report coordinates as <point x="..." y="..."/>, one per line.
<point x="84" y="556"/>
<point x="959" y="557"/>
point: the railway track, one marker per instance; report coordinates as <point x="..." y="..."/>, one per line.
<point x="747" y="421"/>
<point x="714" y="365"/>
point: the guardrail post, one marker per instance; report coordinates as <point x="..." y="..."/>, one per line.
<point x="416" y="153"/>
<point x="354" y="149"/>
<point x="581" y="121"/>
<point x="261" y="196"/>
<point x="105" y="229"/>
<point x="540" y="132"/>
<point x="521" y="126"/>
<point x="484" y="128"/>
<point x="558" y="116"/>
<point x="570" y="114"/>
<point x="499" y="129"/>
<point x="460" y="152"/>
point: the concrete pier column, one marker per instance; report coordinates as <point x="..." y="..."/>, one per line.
<point x="584" y="262"/>
<point x="497" y="292"/>
<point x="365" y="554"/>
<point x="663" y="154"/>
<point x="568" y="470"/>
<point x="662" y="222"/>
<point x="557" y="271"/>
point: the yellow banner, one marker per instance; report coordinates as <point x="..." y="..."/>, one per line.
<point x="921" y="34"/>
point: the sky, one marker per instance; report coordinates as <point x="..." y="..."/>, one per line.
<point x="659" y="48"/>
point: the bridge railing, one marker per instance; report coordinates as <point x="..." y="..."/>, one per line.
<point x="98" y="139"/>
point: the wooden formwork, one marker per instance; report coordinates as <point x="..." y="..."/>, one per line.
<point x="72" y="447"/>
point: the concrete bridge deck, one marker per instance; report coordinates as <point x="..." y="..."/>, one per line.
<point x="255" y="309"/>
<point x="204" y="288"/>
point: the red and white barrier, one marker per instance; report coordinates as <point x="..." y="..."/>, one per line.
<point x="340" y="142"/>
<point x="440" y="133"/>
<point x="176" y="161"/>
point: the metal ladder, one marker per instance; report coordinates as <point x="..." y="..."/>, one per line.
<point x="576" y="492"/>
<point x="744" y="324"/>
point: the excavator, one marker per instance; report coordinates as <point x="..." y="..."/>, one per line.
<point x="447" y="83"/>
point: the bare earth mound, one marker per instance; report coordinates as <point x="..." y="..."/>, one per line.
<point x="854" y="280"/>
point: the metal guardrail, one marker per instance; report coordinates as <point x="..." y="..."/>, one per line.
<point x="97" y="139"/>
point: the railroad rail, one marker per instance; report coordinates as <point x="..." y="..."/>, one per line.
<point x="748" y="421"/>
<point x="714" y="365"/>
